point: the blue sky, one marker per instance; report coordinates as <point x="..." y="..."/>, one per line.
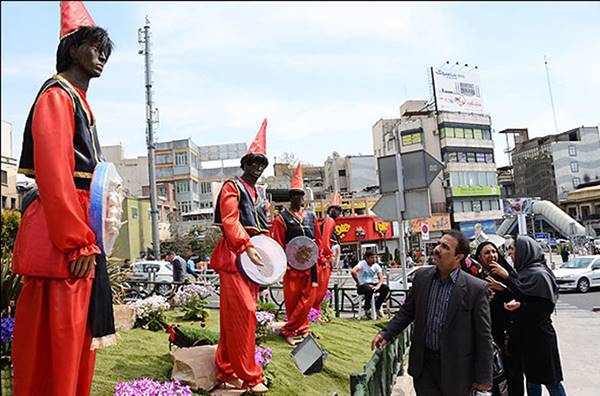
<point x="322" y="73"/>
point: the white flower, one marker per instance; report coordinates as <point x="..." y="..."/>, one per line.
<point x="144" y="308"/>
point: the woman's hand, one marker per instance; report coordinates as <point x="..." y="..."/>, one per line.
<point x="498" y="270"/>
<point x="494" y="284"/>
<point x="512" y="305"/>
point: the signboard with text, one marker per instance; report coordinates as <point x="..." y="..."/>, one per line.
<point x="475" y="191"/>
<point x="457" y="90"/>
<point x="470" y="228"/>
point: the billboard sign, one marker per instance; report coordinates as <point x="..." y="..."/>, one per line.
<point x="475" y="191"/>
<point x="516" y="206"/>
<point x="470" y="228"/>
<point x="457" y="91"/>
<point x="438" y="222"/>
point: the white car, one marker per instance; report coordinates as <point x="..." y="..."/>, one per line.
<point x="395" y="281"/>
<point x="163" y="273"/>
<point x="580" y="273"/>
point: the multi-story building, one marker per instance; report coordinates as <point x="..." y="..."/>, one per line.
<point x="551" y="166"/>
<point x="10" y="196"/>
<point x="192" y="169"/>
<point x="583" y="204"/>
<point x="350" y="174"/>
<point x="463" y="142"/>
<point x="134" y="171"/>
<point x="506" y="181"/>
<point x="283" y="173"/>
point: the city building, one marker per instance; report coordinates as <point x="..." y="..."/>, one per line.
<point x="551" y="166"/>
<point x="350" y="174"/>
<point x="468" y="188"/>
<point x="506" y="181"/>
<point x="10" y="196"/>
<point x="134" y="171"/>
<point x="583" y="204"/>
<point x="192" y="169"/>
<point x="279" y="184"/>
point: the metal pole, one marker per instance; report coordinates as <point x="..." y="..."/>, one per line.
<point x="399" y="209"/>
<point x="145" y="40"/>
<point x="550" y="91"/>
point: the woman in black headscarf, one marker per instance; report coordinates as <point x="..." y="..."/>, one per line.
<point x="533" y="338"/>
<point x="488" y="257"/>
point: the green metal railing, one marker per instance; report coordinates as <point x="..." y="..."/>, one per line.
<point x="381" y="371"/>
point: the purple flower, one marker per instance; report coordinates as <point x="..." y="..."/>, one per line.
<point x="264" y="318"/>
<point x="8" y="329"/>
<point x="150" y="387"/>
<point x="328" y="296"/>
<point x="314" y="315"/>
<point x="263" y="356"/>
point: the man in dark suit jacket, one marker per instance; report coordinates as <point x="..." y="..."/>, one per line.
<point x="451" y="348"/>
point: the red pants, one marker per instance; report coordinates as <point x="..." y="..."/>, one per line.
<point x="323" y="276"/>
<point x="51" y="346"/>
<point x="235" y="352"/>
<point x="299" y="296"/>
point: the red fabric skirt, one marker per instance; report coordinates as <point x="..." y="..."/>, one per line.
<point x="299" y="298"/>
<point x="52" y="338"/>
<point x="323" y="275"/>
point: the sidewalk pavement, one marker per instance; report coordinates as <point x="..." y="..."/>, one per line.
<point x="578" y="334"/>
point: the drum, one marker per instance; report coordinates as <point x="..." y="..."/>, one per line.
<point x="106" y="200"/>
<point x="302" y="253"/>
<point x="272" y="256"/>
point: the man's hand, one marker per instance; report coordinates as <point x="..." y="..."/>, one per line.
<point x="376" y="287"/>
<point x="498" y="270"/>
<point x="254" y="257"/>
<point x="512" y="305"/>
<point x="482" y="387"/>
<point x="378" y="342"/>
<point x="81" y="266"/>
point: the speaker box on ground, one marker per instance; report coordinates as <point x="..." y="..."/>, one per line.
<point x="309" y="356"/>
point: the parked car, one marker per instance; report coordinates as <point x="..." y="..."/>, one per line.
<point x="395" y="281"/>
<point x="580" y="273"/>
<point x="164" y="274"/>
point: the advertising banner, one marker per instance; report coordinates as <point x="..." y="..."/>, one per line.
<point x="435" y="223"/>
<point x="362" y="228"/>
<point x="516" y="206"/>
<point x="475" y="191"/>
<point x="470" y="228"/>
<point x="458" y="91"/>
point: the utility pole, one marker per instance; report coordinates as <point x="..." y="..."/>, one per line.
<point x="550" y="91"/>
<point x="151" y="119"/>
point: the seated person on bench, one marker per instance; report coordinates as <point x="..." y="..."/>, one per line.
<point x="364" y="275"/>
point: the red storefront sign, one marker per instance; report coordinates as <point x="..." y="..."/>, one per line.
<point x="362" y="228"/>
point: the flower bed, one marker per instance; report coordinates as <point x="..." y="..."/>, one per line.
<point x="150" y="312"/>
<point x="150" y="387"/>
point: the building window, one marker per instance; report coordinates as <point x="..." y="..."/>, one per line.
<point x="4" y="203"/>
<point x="574" y="167"/>
<point x="468" y="133"/>
<point x="342" y="172"/>
<point x="412" y="138"/>
<point x="576" y="182"/>
<point x="476" y="205"/>
<point x="205" y="187"/>
<point x="13" y="203"/>
<point x="164" y="159"/>
<point x="459" y="133"/>
<point x="449" y="132"/>
<point x="495" y="205"/>
<point x="470" y="157"/>
<point x="487" y="134"/>
<point x="477" y="134"/>
<point x="182" y="186"/>
<point x="181" y="159"/>
<point x="480" y="157"/>
<point x="134" y="213"/>
<point x="195" y="160"/>
<point x="4" y="178"/>
<point x="572" y="151"/>
<point x="489" y="158"/>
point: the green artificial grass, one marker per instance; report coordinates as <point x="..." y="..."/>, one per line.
<point x="143" y="353"/>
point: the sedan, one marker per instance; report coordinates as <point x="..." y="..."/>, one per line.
<point x="580" y="273"/>
<point x="395" y="282"/>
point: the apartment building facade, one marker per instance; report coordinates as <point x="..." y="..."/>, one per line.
<point x="551" y="166"/>
<point x="468" y="187"/>
<point x="349" y="175"/>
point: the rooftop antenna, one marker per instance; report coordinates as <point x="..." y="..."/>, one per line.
<point x="550" y="91"/>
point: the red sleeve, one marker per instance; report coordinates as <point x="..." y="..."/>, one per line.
<point x="278" y="230"/>
<point x="318" y="237"/>
<point x="328" y="227"/>
<point x="235" y="234"/>
<point x="53" y="127"/>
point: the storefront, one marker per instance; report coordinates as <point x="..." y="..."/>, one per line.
<point x="359" y="233"/>
<point x="436" y="225"/>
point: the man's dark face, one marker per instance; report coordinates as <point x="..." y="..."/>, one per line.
<point x="89" y="58"/>
<point x="335" y="212"/>
<point x="296" y="199"/>
<point x="254" y="169"/>
<point x="371" y="260"/>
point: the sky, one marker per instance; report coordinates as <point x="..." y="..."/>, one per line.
<point x="321" y="73"/>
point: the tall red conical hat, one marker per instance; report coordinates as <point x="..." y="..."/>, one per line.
<point x="73" y="16"/>
<point x="298" y="180"/>
<point x="335" y="200"/>
<point x="259" y="144"/>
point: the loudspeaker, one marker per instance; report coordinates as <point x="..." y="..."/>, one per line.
<point x="309" y="356"/>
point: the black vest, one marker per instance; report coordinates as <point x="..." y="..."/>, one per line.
<point x="85" y="140"/>
<point x="251" y="216"/>
<point x="294" y="228"/>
